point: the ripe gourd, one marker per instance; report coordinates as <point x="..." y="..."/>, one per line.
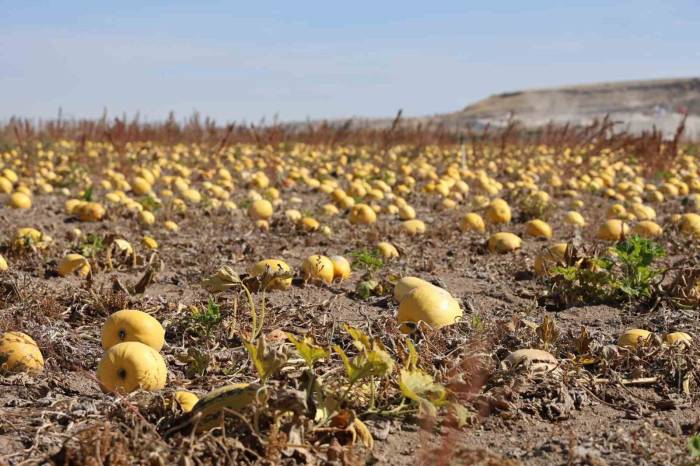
<point x="132" y="325"/>
<point x="538" y="229"/>
<point x="260" y="209"/>
<point x="131" y="365"/>
<point x="274" y="274"/>
<point x="612" y="230"/>
<point x="647" y="229"/>
<point x="185" y="400"/>
<point x="20" y="200"/>
<point x="387" y="250"/>
<point x="472" y="222"/>
<point x="498" y="212"/>
<point x="341" y="268"/>
<point x="574" y="218"/>
<point x="406" y="285"/>
<point x="413" y="227"/>
<point x="73" y="263"/>
<point x="362" y="214"/>
<point x="504" y="242"/>
<point x="430" y="306"/>
<point x="318" y="268"/>
<point x="678" y="338"/>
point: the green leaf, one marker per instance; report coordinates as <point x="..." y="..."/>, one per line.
<point x="367" y="259"/>
<point x="87" y="195"/>
<point x="366" y="288"/>
<point x="417" y="385"/>
<point x="353" y="371"/>
<point x="358" y="336"/>
<point x="308" y="349"/>
<point x="694" y="446"/>
<point x="379" y="362"/>
<point x="373" y="360"/>
<point x="267" y="362"/>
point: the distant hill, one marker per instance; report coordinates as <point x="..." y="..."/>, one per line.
<point x="649" y="97"/>
<point x="635" y="105"/>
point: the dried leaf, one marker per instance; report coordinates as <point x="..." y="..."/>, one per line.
<point x="583" y="342"/>
<point x="363" y="433"/>
<point x="267" y="362"/>
<point x="417" y="385"/>
<point x="460" y="414"/>
<point x="224" y="279"/>
<point x="547" y="331"/>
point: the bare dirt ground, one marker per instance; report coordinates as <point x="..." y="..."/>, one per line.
<point x="569" y="417"/>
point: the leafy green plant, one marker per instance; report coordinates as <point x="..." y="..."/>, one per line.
<point x="308" y="349"/>
<point x="150" y="203"/>
<point x="477" y="323"/>
<point x="206" y="320"/>
<point x="87" y="194"/>
<point x="635" y="257"/>
<point x="625" y="272"/>
<point x="367" y="259"/>
<point x="92" y="245"/>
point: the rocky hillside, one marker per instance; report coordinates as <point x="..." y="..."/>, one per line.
<point x="647" y="97"/>
<point x="635" y="105"/>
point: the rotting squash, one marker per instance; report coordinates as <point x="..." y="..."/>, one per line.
<point x="535" y="361"/>
<point x="73" y="263"/>
<point x="633" y="337"/>
<point x="20" y="353"/>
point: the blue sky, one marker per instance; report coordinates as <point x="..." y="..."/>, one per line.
<point x="324" y="59"/>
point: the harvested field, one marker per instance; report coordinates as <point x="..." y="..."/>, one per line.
<point x="330" y="378"/>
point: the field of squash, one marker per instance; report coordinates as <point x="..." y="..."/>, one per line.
<point x="499" y="300"/>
